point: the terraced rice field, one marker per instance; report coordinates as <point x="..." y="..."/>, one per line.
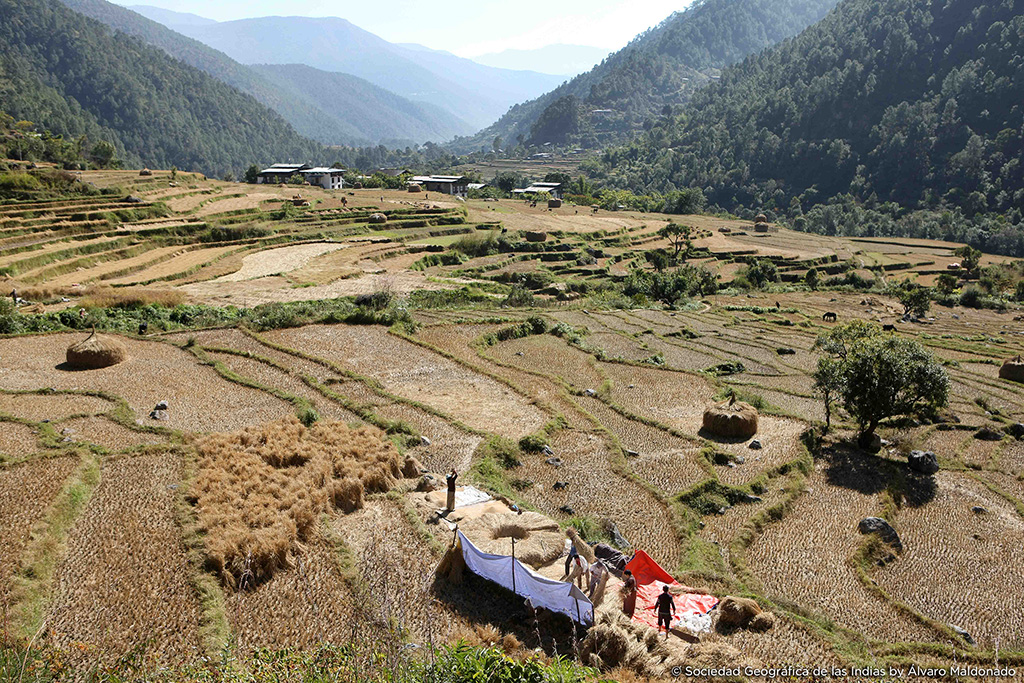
<point x="124" y="580"/>
<point x="26" y="491"/>
<point x="967" y="557"/>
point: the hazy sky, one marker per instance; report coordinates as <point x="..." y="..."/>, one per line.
<point x="465" y="28"/>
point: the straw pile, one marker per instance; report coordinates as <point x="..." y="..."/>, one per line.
<point x="761" y="218"/>
<point x="96" y="351"/>
<point x="734" y="613"/>
<point x="378" y="218"/>
<point x="415" y="188"/>
<point x="554" y="203"/>
<point x="1013" y="369"/>
<point x="538" y="538"/>
<point x="734" y="419"/>
<point x="617" y="642"/>
<point x="259" y="492"/>
<point x="582" y="547"/>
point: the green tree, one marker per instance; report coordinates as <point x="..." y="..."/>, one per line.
<point x="877" y="376"/>
<point x="916" y="300"/>
<point x="970" y="258"/>
<point x="252" y="174"/>
<point x="102" y="154"/>
<point x="679" y="237"/>
<point x="946" y="283"/>
<point x="761" y="272"/>
<point x="1018" y="293"/>
<point x="812" y="278"/>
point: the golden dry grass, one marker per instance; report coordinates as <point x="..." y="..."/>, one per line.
<point x="17" y="439"/>
<point x="26" y="491"/>
<point x="124" y="580"/>
<point x="104" y="432"/>
<point x="131" y="297"/>
<point x="53" y="407"/>
<point x="259" y="492"/>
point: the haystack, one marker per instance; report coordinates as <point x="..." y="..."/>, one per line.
<point x="96" y="351"/>
<point x="538" y="538"/>
<point x="378" y="218"/>
<point x="734" y="419"/>
<point x="453" y="564"/>
<point x="1013" y="369"/>
<point x="415" y="188"/>
<point x="762" y="227"/>
<point x="734" y="613"/>
<point x="536" y="236"/>
<point x="582" y="547"/>
<point x="145" y="172"/>
<point x="761" y="218"/>
<point x="554" y="203"/>
<point x="412" y="468"/>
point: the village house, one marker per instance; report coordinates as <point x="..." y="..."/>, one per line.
<point x="327" y="178"/>
<point x="555" y="190"/>
<point x="456" y="185"/>
<point x="279" y="173"/>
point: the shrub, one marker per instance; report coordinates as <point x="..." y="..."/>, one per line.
<point x="519" y="297"/>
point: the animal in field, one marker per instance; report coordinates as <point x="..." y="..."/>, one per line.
<point x="888" y="328"/>
<point x="829" y="317"/>
<point x="143" y="328"/>
<point x="777" y="306"/>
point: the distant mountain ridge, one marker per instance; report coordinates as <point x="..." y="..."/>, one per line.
<point x="348" y="121"/>
<point x="559" y="59"/>
<point x="75" y="76"/>
<point x="471" y="92"/>
<point x="660" y="69"/>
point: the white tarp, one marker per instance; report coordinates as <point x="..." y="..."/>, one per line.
<point x="556" y="596"/>
<point x="469" y="495"/>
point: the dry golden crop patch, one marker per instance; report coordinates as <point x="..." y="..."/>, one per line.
<point x="551" y="356"/>
<point x="805" y="557"/>
<point x="672" y="398"/>
<point x="26" y="491"/>
<point x="200" y="399"/>
<point x="960" y="570"/>
<point x="105" y="432"/>
<point x="123" y="581"/>
<point x="259" y="492"/>
<point x="17" y="439"/>
<point x="53" y="407"/>
<point x="415" y="373"/>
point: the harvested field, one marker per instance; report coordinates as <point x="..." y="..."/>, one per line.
<point x="594" y="489"/>
<point x="420" y="375"/>
<point x="97" y="272"/>
<point x="672" y="398"/>
<point x="179" y="264"/>
<point x="665" y="461"/>
<point x="780" y="444"/>
<point x="26" y="491"/>
<point x="279" y="260"/>
<point x="549" y="355"/>
<point x="52" y="407"/>
<point x="301" y="608"/>
<point x="825" y="519"/>
<point x="124" y="581"/>
<point x="17" y="439"/>
<point x="105" y="432"/>
<point x="200" y="399"/>
<point x="449" y="447"/>
<point x="969" y="555"/>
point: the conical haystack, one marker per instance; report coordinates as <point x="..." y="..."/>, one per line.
<point x="1013" y="369"/>
<point x="97" y="351"/>
<point x="761" y="218"/>
<point x="734" y="419"/>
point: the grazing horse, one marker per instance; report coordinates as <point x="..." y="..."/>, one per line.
<point x="888" y="328"/>
<point x="829" y="317"/>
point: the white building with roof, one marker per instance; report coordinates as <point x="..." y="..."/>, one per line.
<point x="327" y="178"/>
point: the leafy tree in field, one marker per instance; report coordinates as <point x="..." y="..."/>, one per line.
<point x="252" y="174"/>
<point x="811" y="278"/>
<point x="1018" y="293"/>
<point x="970" y="258"/>
<point x="916" y="299"/>
<point x="506" y="181"/>
<point x="877" y="376"/>
<point x="946" y="283"/>
<point x="761" y="272"/>
<point x="558" y="177"/>
<point x="102" y="154"/>
<point x="679" y="237"/>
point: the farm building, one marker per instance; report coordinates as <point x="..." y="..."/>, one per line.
<point x="279" y="173"/>
<point x="477" y="186"/>
<point x="392" y="172"/>
<point x="554" y="189"/>
<point x="446" y="184"/>
<point x="327" y="178"/>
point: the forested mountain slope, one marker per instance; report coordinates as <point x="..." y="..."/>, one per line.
<point x="915" y="102"/>
<point x="75" y="76"/>
<point x="661" y="67"/>
<point x="396" y="119"/>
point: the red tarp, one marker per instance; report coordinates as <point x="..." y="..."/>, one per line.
<point x="650" y="580"/>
